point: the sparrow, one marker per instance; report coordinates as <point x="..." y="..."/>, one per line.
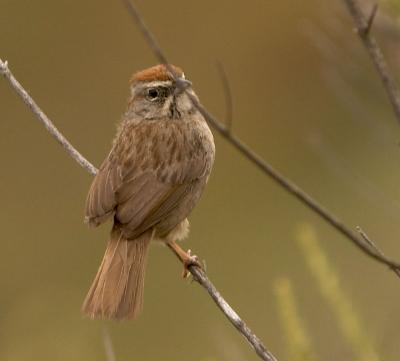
<point x="151" y="180"/>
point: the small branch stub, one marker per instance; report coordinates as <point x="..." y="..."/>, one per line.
<point x="370" y="20"/>
<point x="370" y="243"/>
<point x="3" y="67"/>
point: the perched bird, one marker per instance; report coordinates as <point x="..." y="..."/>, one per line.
<point x="154" y="175"/>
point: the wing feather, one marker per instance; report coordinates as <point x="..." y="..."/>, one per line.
<point x="101" y="201"/>
<point x="150" y="184"/>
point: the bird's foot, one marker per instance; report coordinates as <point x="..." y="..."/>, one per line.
<point x="190" y="260"/>
<point x="186" y="258"/>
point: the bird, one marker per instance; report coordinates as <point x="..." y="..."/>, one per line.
<point x="158" y="166"/>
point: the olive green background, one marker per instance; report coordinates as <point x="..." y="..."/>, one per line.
<point x="306" y="98"/>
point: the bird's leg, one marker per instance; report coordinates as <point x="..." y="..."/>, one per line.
<point x="186" y="258"/>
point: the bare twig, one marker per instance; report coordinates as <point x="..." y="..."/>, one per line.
<point x="232" y="316"/>
<point x="197" y="273"/>
<point x="363" y="27"/>
<point x="44" y="119"/>
<point x="253" y="157"/>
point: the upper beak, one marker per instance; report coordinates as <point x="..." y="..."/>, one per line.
<point x="182" y="85"/>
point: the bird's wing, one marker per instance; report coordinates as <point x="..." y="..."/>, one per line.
<point x="100" y="201"/>
<point x="150" y="201"/>
<point x="148" y="189"/>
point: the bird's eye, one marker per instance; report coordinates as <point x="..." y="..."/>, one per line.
<point x="153" y="93"/>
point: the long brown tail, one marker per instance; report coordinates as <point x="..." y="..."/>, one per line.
<point x="117" y="290"/>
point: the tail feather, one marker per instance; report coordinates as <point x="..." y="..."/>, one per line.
<point x="117" y="290"/>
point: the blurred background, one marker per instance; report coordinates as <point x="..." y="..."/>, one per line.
<point x="306" y="98"/>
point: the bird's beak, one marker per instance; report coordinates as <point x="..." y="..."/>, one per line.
<point x="182" y="85"/>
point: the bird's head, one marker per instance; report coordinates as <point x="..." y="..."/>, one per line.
<point x="156" y="93"/>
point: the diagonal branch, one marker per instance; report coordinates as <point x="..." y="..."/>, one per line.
<point x="42" y="117"/>
<point x="363" y="27"/>
<point x="199" y="276"/>
<point x="230" y="313"/>
<point x="254" y="158"/>
<point x="196" y="272"/>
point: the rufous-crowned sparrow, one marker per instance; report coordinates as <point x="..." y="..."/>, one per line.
<point x="159" y="163"/>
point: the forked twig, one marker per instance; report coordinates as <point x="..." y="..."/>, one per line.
<point x="363" y="27"/>
<point x="373" y="245"/>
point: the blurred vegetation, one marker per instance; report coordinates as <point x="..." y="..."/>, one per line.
<point x="354" y="330"/>
<point x="298" y="341"/>
<point x="392" y="7"/>
<point x="345" y="311"/>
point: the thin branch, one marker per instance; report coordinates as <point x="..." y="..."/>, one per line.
<point x="232" y="316"/>
<point x="197" y="273"/>
<point x="42" y="117"/>
<point x="363" y="27"/>
<point x="253" y="157"/>
<point x="200" y="276"/>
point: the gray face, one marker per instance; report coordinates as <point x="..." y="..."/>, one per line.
<point x="159" y="100"/>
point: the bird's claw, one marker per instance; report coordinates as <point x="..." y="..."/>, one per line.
<point x="190" y="260"/>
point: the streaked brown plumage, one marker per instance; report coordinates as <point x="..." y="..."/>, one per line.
<point x="153" y="177"/>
